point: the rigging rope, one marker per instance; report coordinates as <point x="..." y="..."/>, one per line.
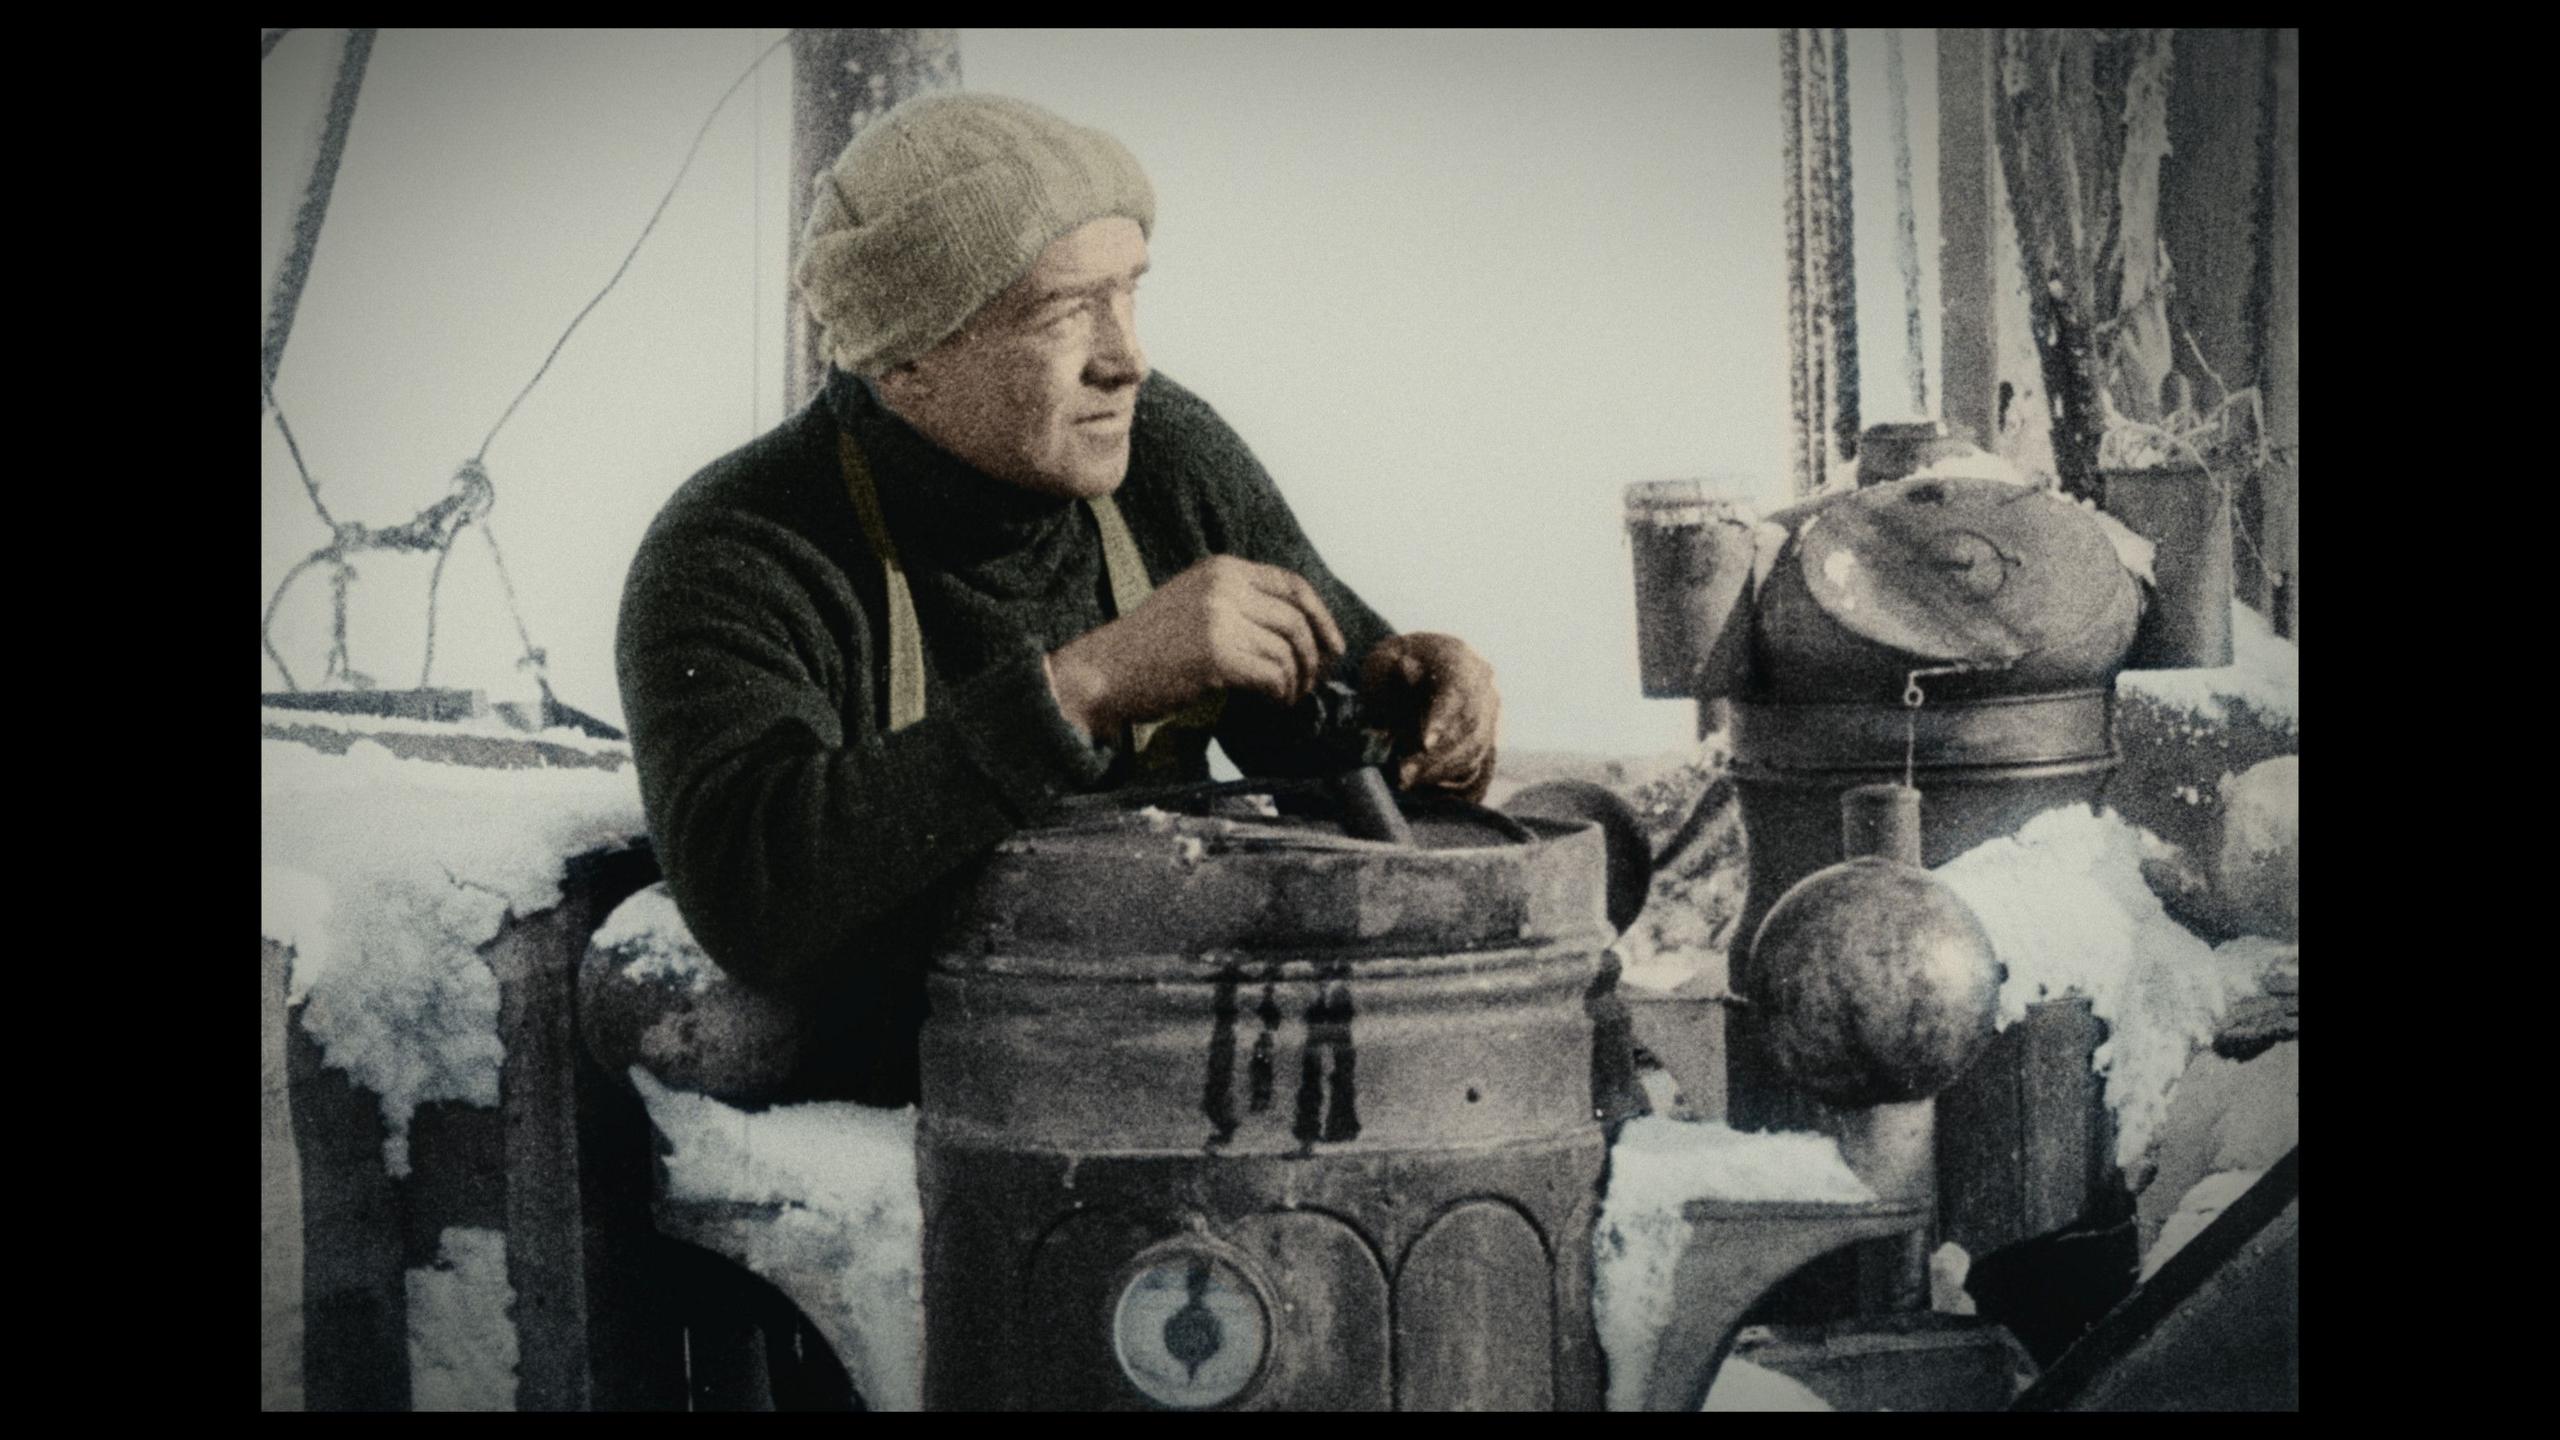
<point x="473" y="493"/>
<point x="690" y="151"/>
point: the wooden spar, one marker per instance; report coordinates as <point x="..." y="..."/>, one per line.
<point x="295" y="268"/>
<point x="1968" y="365"/>
<point x="1907" y="230"/>
<point x="841" y="80"/>
<point x="2283" y="354"/>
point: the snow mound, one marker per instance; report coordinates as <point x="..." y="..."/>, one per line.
<point x="1657" y="1167"/>
<point x="2069" y="913"/>
<point x="387" y="875"/>
<point x="845" y="1175"/>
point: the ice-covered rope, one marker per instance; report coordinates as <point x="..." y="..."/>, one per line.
<point x="1844" y="281"/>
<point x="1907" y="241"/>
<point x="431" y="529"/>
<point x="474" y="494"/>
<point x="1818" y="288"/>
<point x="1803" y="456"/>
<point x="690" y="151"/>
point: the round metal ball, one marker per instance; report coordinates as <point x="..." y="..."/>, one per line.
<point x="1873" y="984"/>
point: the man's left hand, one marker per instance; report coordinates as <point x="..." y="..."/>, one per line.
<point x="1438" y="694"/>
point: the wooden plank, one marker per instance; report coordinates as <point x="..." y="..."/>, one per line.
<point x="487" y="752"/>
<point x="428" y="704"/>
<point x="2217" y="1328"/>
<point x="355" y="1288"/>
<point x="2058" y="1094"/>
<point x="547" y="1209"/>
<point x="279" y="1201"/>
<point x="1981" y="1150"/>
<point x="2023" y="1140"/>
<point x="1919" y="1362"/>
<point x="2283" y="367"/>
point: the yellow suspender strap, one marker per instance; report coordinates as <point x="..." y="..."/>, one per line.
<point x="1129" y="584"/>
<point x="906" y="638"/>
<point x="1120" y="561"/>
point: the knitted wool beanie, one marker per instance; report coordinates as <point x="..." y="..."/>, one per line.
<point x="937" y="207"/>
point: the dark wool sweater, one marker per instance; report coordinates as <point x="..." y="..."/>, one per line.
<point x="811" y="851"/>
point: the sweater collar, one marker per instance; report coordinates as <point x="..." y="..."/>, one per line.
<point x="935" y="502"/>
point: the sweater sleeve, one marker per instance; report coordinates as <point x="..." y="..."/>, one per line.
<point x="789" y="828"/>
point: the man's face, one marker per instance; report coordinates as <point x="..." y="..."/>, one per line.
<point x="1039" y="387"/>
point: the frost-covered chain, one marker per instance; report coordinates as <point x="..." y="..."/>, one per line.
<point x="432" y="529"/>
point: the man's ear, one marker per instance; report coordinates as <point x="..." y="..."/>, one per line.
<point x="906" y="389"/>
<point x="903" y="382"/>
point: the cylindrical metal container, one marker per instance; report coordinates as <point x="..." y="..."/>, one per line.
<point x="1895" y="449"/>
<point x="1693" y="555"/>
<point x="1984" y="767"/>
<point x="1239" y="1112"/>
<point x="2186" y="515"/>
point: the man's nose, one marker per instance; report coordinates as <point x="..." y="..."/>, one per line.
<point x="1117" y="357"/>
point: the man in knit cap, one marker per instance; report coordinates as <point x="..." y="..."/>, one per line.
<point x="1000" y="562"/>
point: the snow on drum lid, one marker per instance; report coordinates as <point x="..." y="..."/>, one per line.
<point x="386" y="876"/>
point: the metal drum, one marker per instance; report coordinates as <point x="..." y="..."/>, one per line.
<point x="1231" y="1110"/>
<point x="2006" y="613"/>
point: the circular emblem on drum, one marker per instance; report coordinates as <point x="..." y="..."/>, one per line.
<point x="1190" y="1330"/>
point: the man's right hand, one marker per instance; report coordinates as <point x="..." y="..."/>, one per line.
<point x="1224" y="624"/>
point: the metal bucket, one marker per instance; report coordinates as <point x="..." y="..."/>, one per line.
<point x="1693" y="569"/>
<point x="1237" y="1113"/>
<point x="2186" y="514"/>
<point x="1983" y="769"/>
<point x="1897" y="449"/>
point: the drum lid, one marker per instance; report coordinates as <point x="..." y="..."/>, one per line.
<point x="1958" y="571"/>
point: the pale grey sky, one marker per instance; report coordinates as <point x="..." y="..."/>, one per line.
<point x="1456" y="289"/>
